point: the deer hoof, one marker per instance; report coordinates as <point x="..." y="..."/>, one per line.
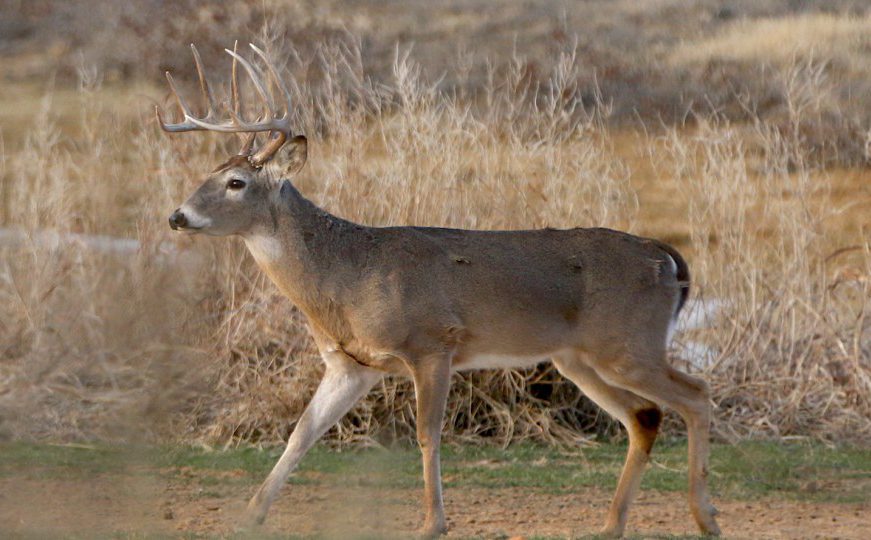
<point x="432" y="531"/>
<point x="250" y="521"/>
<point x="611" y="532"/>
<point x="708" y="525"/>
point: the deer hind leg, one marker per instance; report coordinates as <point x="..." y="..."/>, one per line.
<point x="639" y="416"/>
<point x="650" y="376"/>
<point x="432" y="379"/>
<point x="343" y="384"/>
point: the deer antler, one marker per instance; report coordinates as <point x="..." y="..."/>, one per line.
<point x="273" y="121"/>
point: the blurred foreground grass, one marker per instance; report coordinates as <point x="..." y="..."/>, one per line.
<point x="747" y="470"/>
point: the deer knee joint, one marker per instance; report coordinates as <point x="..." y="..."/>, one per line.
<point x="649" y="419"/>
<point x="426" y="443"/>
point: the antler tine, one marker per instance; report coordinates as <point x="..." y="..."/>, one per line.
<point x="236" y="104"/>
<point x="257" y="79"/>
<point x="204" y="84"/>
<point x="278" y="80"/>
<point x="185" y="124"/>
<point x="181" y="104"/>
<point x="247" y="144"/>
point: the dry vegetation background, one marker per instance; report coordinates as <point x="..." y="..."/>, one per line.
<point x="740" y="131"/>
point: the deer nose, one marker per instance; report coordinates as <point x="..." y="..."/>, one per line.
<point x="177" y="220"/>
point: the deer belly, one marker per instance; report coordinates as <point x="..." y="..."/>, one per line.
<point x="491" y="361"/>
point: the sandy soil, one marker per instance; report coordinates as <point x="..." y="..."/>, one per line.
<point x="178" y="503"/>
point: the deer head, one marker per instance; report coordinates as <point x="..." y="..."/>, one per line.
<point x="236" y="195"/>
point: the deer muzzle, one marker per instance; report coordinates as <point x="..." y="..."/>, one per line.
<point x="178" y="220"/>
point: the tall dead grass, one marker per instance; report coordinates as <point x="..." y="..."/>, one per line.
<point x="185" y="338"/>
<point x="792" y="341"/>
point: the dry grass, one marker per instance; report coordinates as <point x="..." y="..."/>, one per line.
<point x="185" y="338"/>
<point x="843" y="38"/>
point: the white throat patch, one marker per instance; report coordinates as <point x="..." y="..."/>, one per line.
<point x="265" y="249"/>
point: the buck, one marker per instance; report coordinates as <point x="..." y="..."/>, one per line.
<point x="423" y="302"/>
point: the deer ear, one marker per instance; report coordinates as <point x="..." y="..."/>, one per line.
<point x="291" y="157"/>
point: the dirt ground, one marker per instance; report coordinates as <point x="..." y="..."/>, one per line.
<point x="141" y="503"/>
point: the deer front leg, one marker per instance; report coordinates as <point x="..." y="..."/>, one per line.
<point x="432" y="380"/>
<point x="344" y="383"/>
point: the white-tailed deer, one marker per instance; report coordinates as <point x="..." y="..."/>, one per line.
<point x="423" y="302"/>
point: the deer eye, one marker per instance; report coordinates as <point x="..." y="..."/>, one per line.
<point x="235" y="184"/>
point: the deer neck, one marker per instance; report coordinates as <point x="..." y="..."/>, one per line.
<point x="308" y="253"/>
